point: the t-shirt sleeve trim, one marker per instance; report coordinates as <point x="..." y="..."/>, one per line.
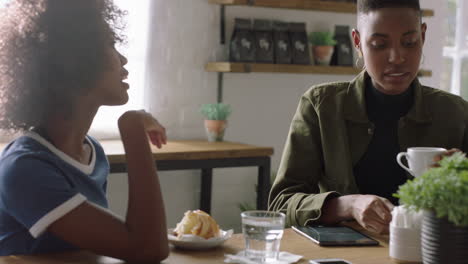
<point x="42" y="224"/>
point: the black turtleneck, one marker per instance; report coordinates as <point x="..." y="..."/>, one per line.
<point x="377" y="172"/>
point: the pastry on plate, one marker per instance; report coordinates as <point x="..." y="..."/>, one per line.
<point x="197" y="223"/>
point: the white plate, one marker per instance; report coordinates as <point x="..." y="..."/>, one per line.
<point x="198" y="243"/>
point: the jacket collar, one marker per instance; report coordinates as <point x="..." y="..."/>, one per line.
<point x="354" y="108"/>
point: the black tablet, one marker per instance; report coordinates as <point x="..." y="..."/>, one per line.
<point x="335" y="236"/>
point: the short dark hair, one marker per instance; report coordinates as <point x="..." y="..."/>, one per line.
<point x="51" y="51"/>
<point x="366" y="6"/>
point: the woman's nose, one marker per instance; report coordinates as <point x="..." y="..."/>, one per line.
<point x="396" y="56"/>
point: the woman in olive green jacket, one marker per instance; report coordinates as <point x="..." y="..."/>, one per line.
<point x="339" y="159"/>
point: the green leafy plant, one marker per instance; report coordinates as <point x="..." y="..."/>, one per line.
<point x="443" y="190"/>
<point x="322" y="38"/>
<point x="217" y="111"/>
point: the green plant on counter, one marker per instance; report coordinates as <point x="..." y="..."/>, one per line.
<point x="322" y="38"/>
<point x="218" y="111"/>
<point x="443" y="190"/>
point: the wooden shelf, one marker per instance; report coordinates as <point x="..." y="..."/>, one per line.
<point x="425" y="73"/>
<point x="317" y="5"/>
<point x="225" y="67"/>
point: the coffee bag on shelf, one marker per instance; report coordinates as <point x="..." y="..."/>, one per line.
<point x="282" y="43"/>
<point x="343" y="54"/>
<point x="242" y="46"/>
<point x="263" y="41"/>
<point x="299" y="42"/>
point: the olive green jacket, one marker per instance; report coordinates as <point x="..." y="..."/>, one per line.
<point x="330" y="132"/>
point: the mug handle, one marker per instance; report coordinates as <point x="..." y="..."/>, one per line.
<point x="398" y="159"/>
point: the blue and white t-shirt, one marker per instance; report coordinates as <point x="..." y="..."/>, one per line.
<point x="38" y="185"/>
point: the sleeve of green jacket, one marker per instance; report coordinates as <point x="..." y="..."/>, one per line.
<point x="296" y="191"/>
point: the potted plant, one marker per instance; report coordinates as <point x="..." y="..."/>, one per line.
<point x="215" y="120"/>
<point x="442" y="192"/>
<point x="322" y="46"/>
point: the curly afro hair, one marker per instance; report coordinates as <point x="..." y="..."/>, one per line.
<point x="51" y="51"/>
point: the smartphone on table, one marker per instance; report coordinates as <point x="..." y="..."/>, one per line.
<point x="329" y="261"/>
<point x="335" y="236"/>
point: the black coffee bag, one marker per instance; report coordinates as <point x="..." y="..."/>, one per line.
<point x="242" y="46"/>
<point x="300" y="45"/>
<point x="282" y="43"/>
<point x="343" y="54"/>
<point x="264" y="49"/>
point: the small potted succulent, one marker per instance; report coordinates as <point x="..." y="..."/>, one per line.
<point x="215" y="120"/>
<point x="322" y="46"/>
<point x="442" y="192"/>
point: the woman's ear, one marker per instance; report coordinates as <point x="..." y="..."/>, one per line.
<point x="356" y="40"/>
<point x="423" y="31"/>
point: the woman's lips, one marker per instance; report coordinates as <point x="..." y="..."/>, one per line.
<point x="125" y="77"/>
<point x="396" y="76"/>
<point x="125" y="84"/>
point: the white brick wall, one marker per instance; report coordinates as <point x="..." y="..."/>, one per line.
<point x="185" y="37"/>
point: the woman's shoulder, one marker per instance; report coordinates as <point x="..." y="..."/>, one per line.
<point x="321" y="91"/>
<point x="22" y="155"/>
<point x="440" y="98"/>
<point x="23" y="146"/>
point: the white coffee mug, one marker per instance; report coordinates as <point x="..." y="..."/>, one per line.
<point x="419" y="159"/>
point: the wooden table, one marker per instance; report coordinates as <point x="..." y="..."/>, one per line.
<point x="291" y="242"/>
<point x="203" y="155"/>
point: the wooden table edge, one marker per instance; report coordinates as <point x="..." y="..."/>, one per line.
<point x="238" y="150"/>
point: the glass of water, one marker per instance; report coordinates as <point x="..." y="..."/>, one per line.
<point x="262" y="231"/>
